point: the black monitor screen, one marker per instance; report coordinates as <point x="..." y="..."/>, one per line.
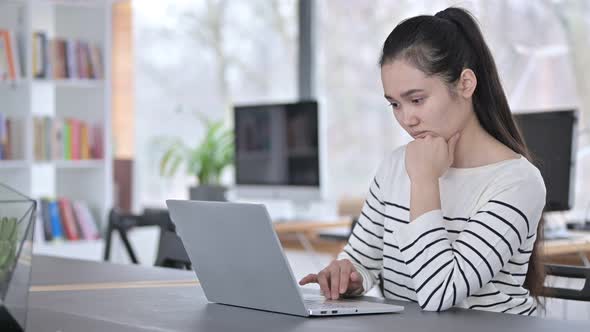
<point x="550" y="139"/>
<point x="277" y="144"/>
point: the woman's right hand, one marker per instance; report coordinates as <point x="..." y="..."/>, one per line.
<point x="338" y="278"/>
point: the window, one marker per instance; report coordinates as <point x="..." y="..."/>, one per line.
<point x="204" y="56"/>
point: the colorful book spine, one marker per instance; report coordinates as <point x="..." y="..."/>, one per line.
<point x="86" y="220"/>
<point x="11" y="55"/>
<point x="56" y="225"/>
<point x="96" y="62"/>
<point x="47" y="133"/>
<point x="75" y="139"/>
<point x="72" y="59"/>
<point x="67" y="218"/>
<point x="84" y="146"/>
<point x="2" y="134"/>
<point x="67" y="140"/>
<point x="57" y="139"/>
<point x="18" y="71"/>
<point x="8" y="142"/>
<point x="97" y="143"/>
<point x="3" y="61"/>
<point x="46" y="217"/>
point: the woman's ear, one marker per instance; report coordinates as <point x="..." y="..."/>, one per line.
<point x="467" y="83"/>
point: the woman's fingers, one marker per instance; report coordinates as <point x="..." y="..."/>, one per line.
<point x="334" y="282"/>
<point x="340" y="277"/>
<point x="323" y="281"/>
<point x="310" y="278"/>
<point x="344" y="278"/>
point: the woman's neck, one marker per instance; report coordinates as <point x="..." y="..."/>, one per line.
<point x="478" y="148"/>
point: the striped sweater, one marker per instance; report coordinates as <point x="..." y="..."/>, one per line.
<point x="473" y="253"/>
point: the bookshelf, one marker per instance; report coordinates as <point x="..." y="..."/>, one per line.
<point x="85" y="99"/>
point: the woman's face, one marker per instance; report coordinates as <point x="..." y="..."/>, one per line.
<point x="423" y="104"/>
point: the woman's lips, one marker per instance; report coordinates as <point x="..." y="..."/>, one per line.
<point x="421" y="134"/>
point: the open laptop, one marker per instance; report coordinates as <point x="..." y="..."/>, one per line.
<point x="239" y="261"/>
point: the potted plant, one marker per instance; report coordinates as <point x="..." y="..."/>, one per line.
<point x="206" y="161"/>
<point x="8" y="242"/>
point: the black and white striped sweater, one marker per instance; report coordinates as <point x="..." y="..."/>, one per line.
<point x="473" y="253"/>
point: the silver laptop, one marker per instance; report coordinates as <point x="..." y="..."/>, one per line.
<point x="239" y="261"/>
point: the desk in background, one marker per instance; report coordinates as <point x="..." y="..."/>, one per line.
<point x="151" y="303"/>
<point x="305" y="234"/>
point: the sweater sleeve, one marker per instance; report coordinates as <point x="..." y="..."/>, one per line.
<point x="490" y="238"/>
<point x="365" y="244"/>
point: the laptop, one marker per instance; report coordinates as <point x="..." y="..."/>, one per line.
<point x="239" y="261"/>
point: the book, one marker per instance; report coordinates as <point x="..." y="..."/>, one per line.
<point x="67" y="141"/>
<point x="85" y="61"/>
<point x="47" y="132"/>
<point x="3" y="61"/>
<point x="2" y="134"/>
<point x="67" y="218"/>
<point x="38" y="140"/>
<point x="15" y="130"/>
<point x="96" y="62"/>
<point x="97" y="151"/>
<point x="56" y="225"/>
<point x="16" y="54"/>
<point x="40" y="55"/>
<point x="46" y="217"/>
<point x="8" y="139"/>
<point x="75" y="138"/>
<point x="77" y="221"/>
<point x="86" y="220"/>
<point x="10" y="49"/>
<point x="58" y="59"/>
<point x="72" y="59"/>
<point x="84" y="146"/>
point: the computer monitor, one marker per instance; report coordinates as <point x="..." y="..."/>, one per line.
<point x="551" y="139"/>
<point x="278" y="151"/>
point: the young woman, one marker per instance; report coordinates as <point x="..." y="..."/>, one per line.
<point x="452" y="218"/>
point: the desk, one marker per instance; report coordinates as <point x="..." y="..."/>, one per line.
<point x="176" y="307"/>
<point x="580" y="242"/>
<point x="306" y="232"/>
<point x="310" y="226"/>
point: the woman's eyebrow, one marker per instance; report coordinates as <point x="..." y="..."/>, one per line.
<point x="411" y="92"/>
<point x="405" y="94"/>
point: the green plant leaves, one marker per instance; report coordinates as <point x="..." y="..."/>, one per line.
<point x="8" y="243"/>
<point x="206" y="160"/>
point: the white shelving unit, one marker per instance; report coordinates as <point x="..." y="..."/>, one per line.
<point x="87" y="100"/>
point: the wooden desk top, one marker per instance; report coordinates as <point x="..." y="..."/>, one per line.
<point x="580" y="242"/>
<point x="283" y="227"/>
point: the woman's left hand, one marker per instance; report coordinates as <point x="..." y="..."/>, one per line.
<point x="428" y="158"/>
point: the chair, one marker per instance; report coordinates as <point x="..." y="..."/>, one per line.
<point x="171" y="252"/>
<point x="568" y="271"/>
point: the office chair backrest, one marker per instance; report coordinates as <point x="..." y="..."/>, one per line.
<point x="568" y="271"/>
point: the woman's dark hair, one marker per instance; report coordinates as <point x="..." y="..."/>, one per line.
<point x="444" y="45"/>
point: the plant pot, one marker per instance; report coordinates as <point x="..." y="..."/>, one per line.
<point x="207" y="193"/>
